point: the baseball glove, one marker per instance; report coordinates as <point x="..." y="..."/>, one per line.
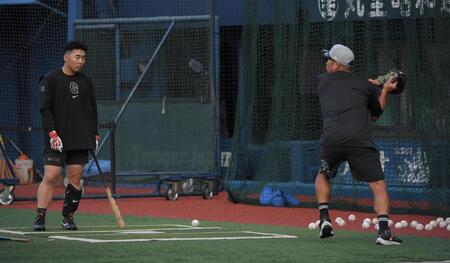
<point x="399" y="77"/>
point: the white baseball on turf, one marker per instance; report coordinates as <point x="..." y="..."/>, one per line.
<point x="447" y="220"/>
<point x="398" y="225"/>
<point x="351" y="217"/>
<point x="341" y="222"/>
<point x="404" y="223"/>
<point x="195" y="223"/>
<point x="374" y="220"/>
<point x="419" y="227"/>
<point x="365" y="225"/>
<point x="443" y="224"/>
<point x="448" y="227"/>
<point x="428" y="227"/>
<point x="312" y="225"/>
<point x="377" y="227"/>
<point x="413" y="223"/>
<point x="317" y="223"/>
<point x="439" y="220"/>
<point x="367" y="220"/>
<point x="390" y="222"/>
<point x="338" y="219"/>
<point x="433" y="223"/>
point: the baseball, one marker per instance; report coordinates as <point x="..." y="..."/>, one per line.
<point x="414" y="223"/>
<point x="312" y="225"/>
<point x="351" y="217"/>
<point x="398" y="225"/>
<point x="365" y="225"/>
<point x="404" y="223"/>
<point x="448" y="227"/>
<point x="419" y="227"/>
<point x="195" y="223"/>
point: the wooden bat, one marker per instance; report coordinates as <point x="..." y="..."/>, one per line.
<point x="15" y="239"/>
<point x="115" y="209"/>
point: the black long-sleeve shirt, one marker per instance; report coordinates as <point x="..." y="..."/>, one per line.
<point x="68" y="106"/>
<point x="346" y="101"/>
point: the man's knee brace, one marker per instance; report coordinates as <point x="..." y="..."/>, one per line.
<point x="72" y="198"/>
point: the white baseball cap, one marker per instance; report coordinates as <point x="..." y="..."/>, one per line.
<point x="340" y="53"/>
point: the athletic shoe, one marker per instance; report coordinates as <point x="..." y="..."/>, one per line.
<point x="387" y="239"/>
<point x="68" y="223"/>
<point x="326" y="230"/>
<point x="39" y="223"/>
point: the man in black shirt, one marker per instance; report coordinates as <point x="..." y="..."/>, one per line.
<point x="346" y="102"/>
<point x="69" y="117"/>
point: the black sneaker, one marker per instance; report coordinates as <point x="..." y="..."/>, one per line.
<point x="386" y="238"/>
<point x="68" y="223"/>
<point x="39" y="223"/>
<point x="326" y="230"/>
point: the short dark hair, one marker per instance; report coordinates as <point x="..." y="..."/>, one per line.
<point x="75" y="45"/>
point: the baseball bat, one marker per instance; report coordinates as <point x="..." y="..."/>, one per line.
<point x="15" y="239"/>
<point x="115" y="209"/>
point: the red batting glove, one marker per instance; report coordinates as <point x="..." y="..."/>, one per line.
<point x="97" y="139"/>
<point x="55" y="142"/>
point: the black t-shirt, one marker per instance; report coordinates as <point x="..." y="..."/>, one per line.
<point x="68" y="106"/>
<point x="346" y="101"/>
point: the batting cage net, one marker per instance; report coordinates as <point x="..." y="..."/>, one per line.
<point x="153" y="72"/>
<point x="31" y="43"/>
<point x="155" y="94"/>
<point x="275" y="156"/>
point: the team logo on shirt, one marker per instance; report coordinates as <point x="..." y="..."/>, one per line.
<point x="74" y="89"/>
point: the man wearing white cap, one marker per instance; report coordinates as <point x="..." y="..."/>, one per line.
<point x="346" y="102"/>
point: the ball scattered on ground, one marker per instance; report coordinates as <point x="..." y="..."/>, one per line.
<point x="351" y="217"/>
<point x="419" y="227"/>
<point x="377" y="227"/>
<point x="367" y="220"/>
<point x="428" y="227"/>
<point x="338" y="219"/>
<point x="195" y="223"/>
<point x="312" y="225"/>
<point x="443" y="224"/>
<point x="374" y="220"/>
<point x="448" y="227"/>
<point x="439" y="220"/>
<point x="390" y="222"/>
<point x="365" y="225"/>
<point x="433" y="223"/>
<point x="413" y="223"/>
<point x="404" y="223"/>
<point x="341" y="222"/>
<point x="447" y="220"/>
<point x="317" y="223"/>
<point x="398" y="225"/>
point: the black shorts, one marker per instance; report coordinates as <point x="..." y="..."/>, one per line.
<point x="57" y="158"/>
<point x="364" y="162"/>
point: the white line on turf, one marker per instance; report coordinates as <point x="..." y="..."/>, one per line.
<point x="89" y="240"/>
<point x="108" y="231"/>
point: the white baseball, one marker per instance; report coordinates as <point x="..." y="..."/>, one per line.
<point x="404" y="223"/>
<point x="439" y="220"/>
<point x="338" y="219"/>
<point x="351" y="217"/>
<point x="367" y="220"/>
<point x="390" y="222"/>
<point x="341" y="222"/>
<point x="317" y="223"/>
<point x="413" y="223"/>
<point x="433" y="223"/>
<point x="448" y="227"/>
<point x="419" y="227"/>
<point x="398" y="225"/>
<point x="428" y="227"/>
<point x="374" y="220"/>
<point x="447" y="220"/>
<point x="443" y="224"/>
<point x="365" y="225"/>
<point x="312" y="225"/>
<point x="195" y="223"/>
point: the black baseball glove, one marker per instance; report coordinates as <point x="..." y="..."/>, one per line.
<point x="399" y="77"/>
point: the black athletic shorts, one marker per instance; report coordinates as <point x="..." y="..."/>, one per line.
<point x="364" y="162"/>
<point x="57" y="158"/>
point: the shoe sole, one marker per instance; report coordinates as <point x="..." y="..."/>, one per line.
<point x="384" y="242"/>
<point x="68" y="227"/>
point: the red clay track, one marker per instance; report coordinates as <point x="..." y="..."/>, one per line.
<point x="221" y="210"/>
